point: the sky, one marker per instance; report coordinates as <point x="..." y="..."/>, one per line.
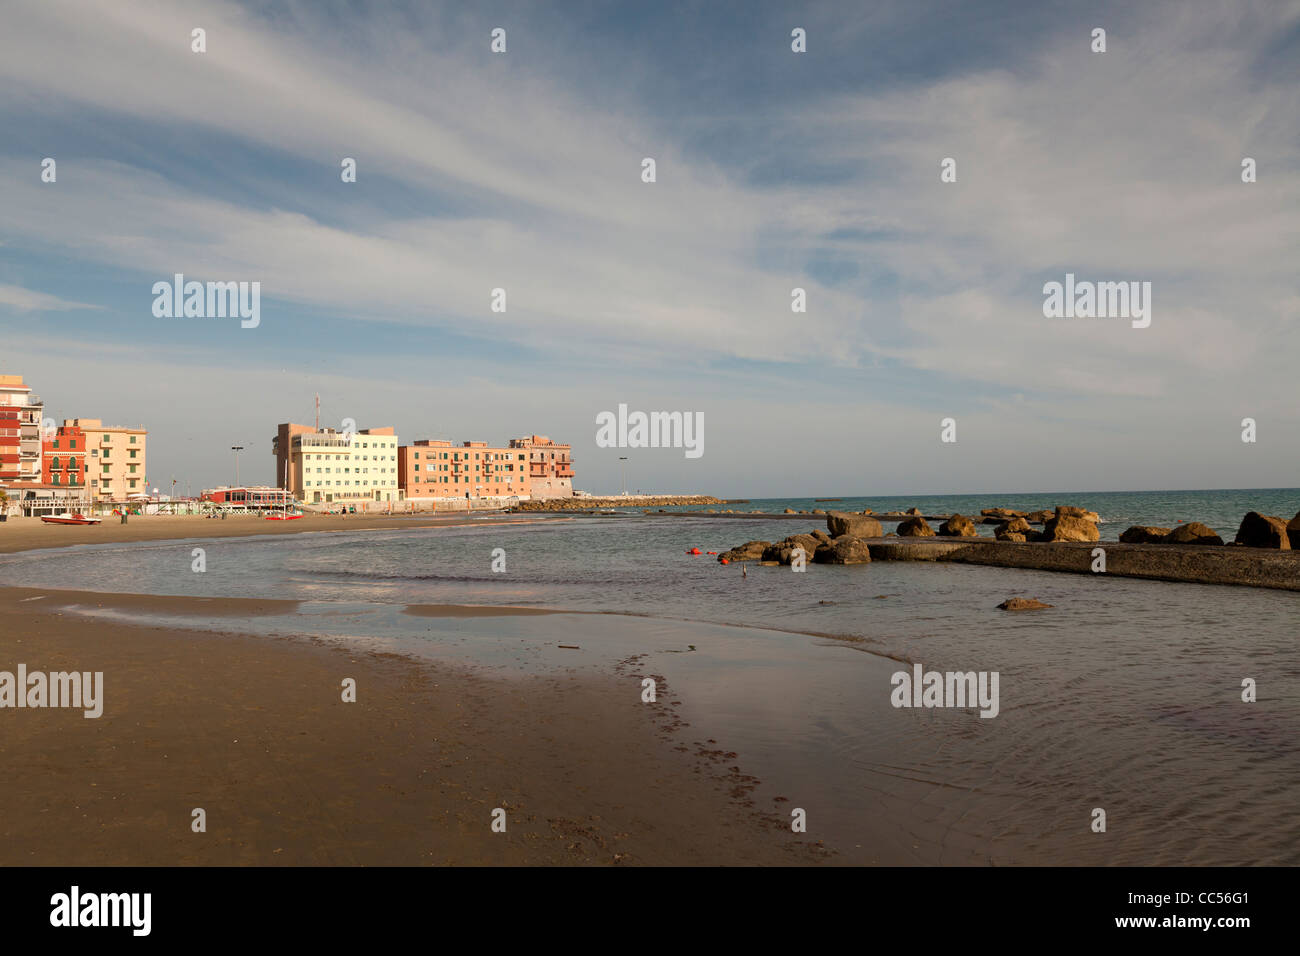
<point x="774" y="170"/>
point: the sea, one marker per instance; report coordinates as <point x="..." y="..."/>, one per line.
<point x="1167" y="714"/>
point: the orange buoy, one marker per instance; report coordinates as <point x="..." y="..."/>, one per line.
<point x="695" y="551"/>
<point x="724" y="560"/>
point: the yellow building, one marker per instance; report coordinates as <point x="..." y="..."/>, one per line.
<point x="329" y="466"/>
<point x="114" y="459"/>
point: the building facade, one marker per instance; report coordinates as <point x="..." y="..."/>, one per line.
<point x="253" y="498"/>
<point x="63" y="457"/>
<point x="115" y="459"/>
<point x="550" y="466"/>
<point x="20" y="431"/>
<point x="431" y="469"/>
<point x="327" y="466"/>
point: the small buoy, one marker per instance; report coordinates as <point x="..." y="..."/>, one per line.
<point x="724" y="560"/>
<point x="695" y="551"/>
<point x="713" y="552"/>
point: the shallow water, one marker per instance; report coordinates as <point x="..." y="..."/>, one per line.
<point x="1126" y="695"/>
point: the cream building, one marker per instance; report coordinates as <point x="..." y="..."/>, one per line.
<point x="114" y="459"/>
<point x="329" y="466"/>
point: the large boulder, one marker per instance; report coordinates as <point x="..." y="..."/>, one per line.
<point x="749" y="551"/>
<point x="840" y="523"/>
<point x="915" y="528"/>
<point x="820" y="535"/>
<point x="1263" y="531"/>
<point x="1067" y="526"/>
<point x="958" y="526"/>
<point x="1293" y="532"/>
<point x="845" y="549"/>
<point x="1144" y="534"/>
<point x="1022" y="604"/>
<point x="1017" y="529"/>
<point x="1193" y="533"/>
<point x="1073" y="512"/>
<point x="912" y="511"/>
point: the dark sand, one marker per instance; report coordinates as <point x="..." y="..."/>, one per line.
<point x="254" y="731"/>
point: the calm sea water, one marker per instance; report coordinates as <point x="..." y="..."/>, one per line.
<point x="1221" y="509"/>
<point x="1125" y="696"/>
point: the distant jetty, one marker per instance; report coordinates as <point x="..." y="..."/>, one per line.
<point x="1265" y="553"/>
<point x="584" y="503"/>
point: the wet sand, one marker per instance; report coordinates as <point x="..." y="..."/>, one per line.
<point x="255" y="732"/>
<point x="25" y="534"/>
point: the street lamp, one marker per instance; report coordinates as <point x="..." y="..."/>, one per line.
<point x="624" y="458"/>
<point x="236" y="449"/>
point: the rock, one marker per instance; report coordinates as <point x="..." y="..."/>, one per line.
<point x="1263" y="531"/>
<point x="818" y="511"/>
<point x="790" y="511"/>
<point x="1193" y="533"/>
<point x="958" y="526"/>
<point x="820" y="535"/>
<point x="783" y="551"/>
<point x="860" y="526"/>
<point x="1144" y="534"/>
<point x="846" y="549"/>
<point x="1038" y="517"/>
<point x="1022" y="604"/>
<point x="912" y="511"/>
<point x="1017" y="529"/>
<point x="749" y="551"/>
<point x="1293" y="532"/>
<point x="915" y="528"/>
<point x="1074" y="512"/>
<point x="1017" y="536"/>
<point x="868" y="511"/>
<point x="1067" y="526"/>
<point x="1004" y="513"/>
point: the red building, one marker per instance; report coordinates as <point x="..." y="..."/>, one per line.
<point x="63" y="458"/>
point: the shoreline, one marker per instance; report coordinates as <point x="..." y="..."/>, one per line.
<point x="254" y="730"/>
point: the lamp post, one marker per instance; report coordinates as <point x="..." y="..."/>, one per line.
<point x="236" y="449"/>
<point x="624" y="458"/>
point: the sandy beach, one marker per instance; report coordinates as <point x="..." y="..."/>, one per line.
<point x="255" y="732"/>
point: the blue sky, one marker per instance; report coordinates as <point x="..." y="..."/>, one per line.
<point x="775" y="170"/>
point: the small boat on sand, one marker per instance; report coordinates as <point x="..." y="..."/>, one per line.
<point x="281" y="517"/>
<point x="66" y="518"/>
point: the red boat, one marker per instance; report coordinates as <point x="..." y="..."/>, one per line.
<point x="66" y="518"/>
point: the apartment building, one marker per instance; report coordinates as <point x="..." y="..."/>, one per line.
<point x="431" y="469"/>
<point x="326" y="466"/>
<point x="550" y="466"/>
<point x="20" y="431"/>
<point x="115" y="458"/>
